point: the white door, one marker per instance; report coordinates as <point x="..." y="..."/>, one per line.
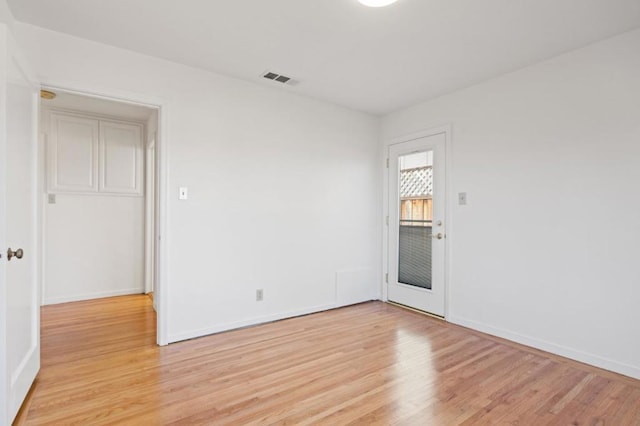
<point x="19" y="306"/>
<point x="417" y="234"/>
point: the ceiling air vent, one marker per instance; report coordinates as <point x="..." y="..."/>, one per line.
<point x="280" y="78"/>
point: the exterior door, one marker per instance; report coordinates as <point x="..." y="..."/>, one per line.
<point x="417" y="234"/>
<point x="19" y="299"/>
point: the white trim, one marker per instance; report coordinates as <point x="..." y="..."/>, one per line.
<point x="92" y="115"/>
<point x="89" y="296"/>
<point x="447" y="130"/>
<point x="91" y="194"/>
<point x="43" y="199"/>
<point x="448" y="214"/>
<point x="567" y="352"/>
<point x="162" y="152"/>
<point x="108" y="94"/>
<point x="385" y="224"/>
<point x="4" y="377"/>
<point x="161" y="292"/>
<point x="256" y="321"/>
<point x="149" y="210"/>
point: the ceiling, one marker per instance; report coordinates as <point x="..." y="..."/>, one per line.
<point x="371" y="59"/>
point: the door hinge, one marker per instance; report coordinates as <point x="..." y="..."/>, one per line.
<point x="387" y="163"/>
<point x="386" y="277"/>
<point x="387" y="220"/>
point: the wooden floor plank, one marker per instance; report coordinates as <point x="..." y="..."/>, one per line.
<point x="367" y="364"/>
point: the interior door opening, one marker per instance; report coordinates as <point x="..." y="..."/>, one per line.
<point x="100" y="206"/>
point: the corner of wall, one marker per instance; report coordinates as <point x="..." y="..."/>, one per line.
<point x="6" y="16"/>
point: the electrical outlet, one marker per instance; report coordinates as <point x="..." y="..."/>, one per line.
<point x="259" y="295"/>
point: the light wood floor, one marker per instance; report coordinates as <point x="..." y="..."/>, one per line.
<point x="368" y="364"/>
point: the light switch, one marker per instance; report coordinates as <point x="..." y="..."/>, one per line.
<point x="52" y="198"/>
<point x="184" y="193"/>
<point x="462" y="198"/>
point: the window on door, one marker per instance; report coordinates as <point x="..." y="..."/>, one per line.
<point x="416" y="218"/>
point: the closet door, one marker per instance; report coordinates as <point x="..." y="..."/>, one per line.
<point x="72" y="152"/>
<point x="121" y="158"/>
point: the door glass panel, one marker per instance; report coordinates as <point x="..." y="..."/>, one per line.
<point x="416" y="216"/>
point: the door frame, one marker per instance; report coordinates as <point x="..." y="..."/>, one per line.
<point x="149" y="210"/>
<point x="447" y="130"/>
<point x="162" y="152"/>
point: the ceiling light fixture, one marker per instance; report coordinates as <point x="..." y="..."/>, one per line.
<point x="377" y="3"/>
<point x="45" y="94"/>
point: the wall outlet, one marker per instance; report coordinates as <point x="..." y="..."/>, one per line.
<point x="259" y="295"/>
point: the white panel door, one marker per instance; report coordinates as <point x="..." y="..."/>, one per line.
<point x="417" y="224"/>
<point x="121" y="157"/>
<point x="19" y="307"/>
<point x="73" y="153"/>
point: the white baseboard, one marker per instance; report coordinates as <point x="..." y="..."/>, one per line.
<point x="596" y="361"/>
<point x="89" y="296"/>
<point x="255" y="321"/>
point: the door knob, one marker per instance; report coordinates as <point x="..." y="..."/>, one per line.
<point x="439" y="236"/>
<point x="18" y="253"/>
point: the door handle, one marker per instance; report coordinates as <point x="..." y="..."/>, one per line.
<point x="11" y="254"/>
<point x="438" y="236"/>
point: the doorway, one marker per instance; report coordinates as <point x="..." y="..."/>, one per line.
<point x="417" y="231"/>
<point x="100" y="186"/>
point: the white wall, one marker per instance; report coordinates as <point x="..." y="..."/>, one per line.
<point x="6" y="17"/>
<point x="284" y="190"/>
<point x="94" y="247"/>
<point x="546" y="251"/>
